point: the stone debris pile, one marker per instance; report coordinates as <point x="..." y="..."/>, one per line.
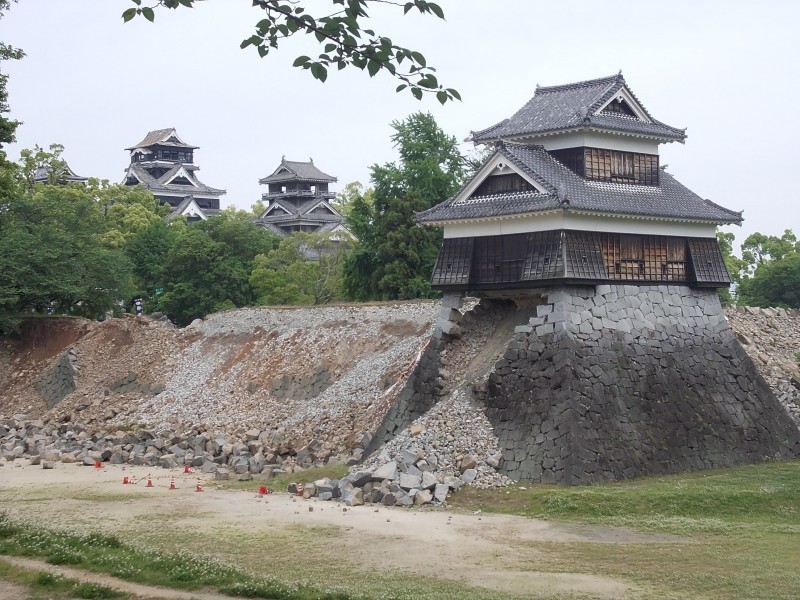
<point x="261" y="392"/>
<point x="246" y="453"/>
<point x="771" y="336"/>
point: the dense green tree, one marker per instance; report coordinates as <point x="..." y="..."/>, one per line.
<point x="770" y="271"/>
<point x="352" y="192"/>
<point x="148" y="250"/>
<point x="734" y="264"/>
<point x="306" y="268"/>
<point x="759" y="249"/>
<point x="51" y="253"/>
<point x="775" y="283"/>
<point x="394" y="258"/>
<point x="341" y="28"/>
<point x="208" y="266"/>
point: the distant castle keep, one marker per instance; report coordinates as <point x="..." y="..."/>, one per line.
<point x="298" y="199"/>
<point x="624" y="364"/>
<point x="164" y="164"/>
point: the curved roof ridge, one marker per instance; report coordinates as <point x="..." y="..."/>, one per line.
<point x="616" y="78"/>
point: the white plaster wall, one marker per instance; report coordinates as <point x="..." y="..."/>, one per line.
<point x="567" y="220"/>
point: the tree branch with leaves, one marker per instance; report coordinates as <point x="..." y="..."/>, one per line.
<point x="347" y="41"/>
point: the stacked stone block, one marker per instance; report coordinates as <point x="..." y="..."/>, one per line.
<point x="614" y="381"/>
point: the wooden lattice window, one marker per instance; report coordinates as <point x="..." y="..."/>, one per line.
<point x="503" y="184"/>
<point x="644" y="258"/>
<point x="614" y="166"/>
<point x="708" y="266"/>
<point x="584" y="256"/>
<point x="499" y="258"/>
<point x="544" y="259"/>
<point x="454" y="262"/>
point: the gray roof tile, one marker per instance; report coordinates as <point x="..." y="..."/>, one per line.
<point x="292" y="170"/>
<point x="160" y="137"/>
<point x="158" y="186"/>
<point x="566" y="190"/>
<point x="575" y="106"/>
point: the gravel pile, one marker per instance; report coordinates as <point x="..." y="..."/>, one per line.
<point x="771" y="336"/>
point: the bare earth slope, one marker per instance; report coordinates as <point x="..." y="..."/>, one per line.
<point x="325" y="372"/>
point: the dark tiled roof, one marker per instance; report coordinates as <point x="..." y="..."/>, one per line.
<point x="67" y="175"/>
<point x="576" y="106"/>
<point x="291" y="170"/>
<point x="302" y="212"/>
<point x="158" y="186"/>
<point x="565" y="190"/>
<point x="160" y="137"/>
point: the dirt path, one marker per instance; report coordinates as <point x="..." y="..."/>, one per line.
<point x="140" y="592"/>
<point x="490" y="551"/>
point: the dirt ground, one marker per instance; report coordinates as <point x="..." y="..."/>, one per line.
<point x="497" y="552"/>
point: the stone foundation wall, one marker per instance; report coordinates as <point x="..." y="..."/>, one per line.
<point x="615" y="381"/>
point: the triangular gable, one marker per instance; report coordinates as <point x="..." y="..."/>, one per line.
<point x="322" y="208"/>
<point x="132" y="177"/>
<point x="340" y="233"/>
<point x="179" y="173"/>
<point x="624" y="97"/>
<point x="283" y="169"/>
<point x="273" y="210"/>
<point x="189" y="208"/>
<point x="497" y="165"/>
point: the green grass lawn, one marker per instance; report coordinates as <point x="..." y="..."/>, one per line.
<point x="743" y="523"/>
<point x="730" y="534"/>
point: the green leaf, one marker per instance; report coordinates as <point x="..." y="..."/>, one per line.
<point x="454" y="93"/>
<point x="128" y="15"/>
<point x="373" y="66"/>
<point x="330" y="47"/>
<point x="263" y="51"/>
<point x="319" y="72"/>
<point x="417" y="93"/>
<point x="301" y="61"/>
<point x="418" y="57"/>
<point x="148" y="14"/>
<point x="436" y="9"/>
<point x="408" y="7"/>
<point x="442" y="96"/>
<point x="401" y="87"/>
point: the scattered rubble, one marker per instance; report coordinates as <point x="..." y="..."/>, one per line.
<point x="261" y="392"/>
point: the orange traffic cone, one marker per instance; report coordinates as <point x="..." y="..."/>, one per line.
<point x="172" y="484"/>
<point x="98" y="464"/>
<point x="187" y="469"/>
<point x="262" y="490"/>
<point x="125" y="480"/>
<point x="199" y="487"/>
<point x="299" y="489"/>
<point x="149" y="481"/>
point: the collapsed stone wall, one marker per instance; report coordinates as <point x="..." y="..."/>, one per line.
<point x="59" y="381"/>
<point x="618" y="381"/>
<point x="425" y="386"/>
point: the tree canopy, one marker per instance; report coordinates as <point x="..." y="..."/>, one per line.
<point x="341" y="28"/>
<point x="394" y="257"/>
<point x="770" y="271"/>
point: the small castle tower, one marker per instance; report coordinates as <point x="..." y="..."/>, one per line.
<point x="623" y="363"/>
<point x="298" y="199"/>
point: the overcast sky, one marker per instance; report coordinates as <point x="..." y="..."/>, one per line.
<point x="726" y="70"/>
